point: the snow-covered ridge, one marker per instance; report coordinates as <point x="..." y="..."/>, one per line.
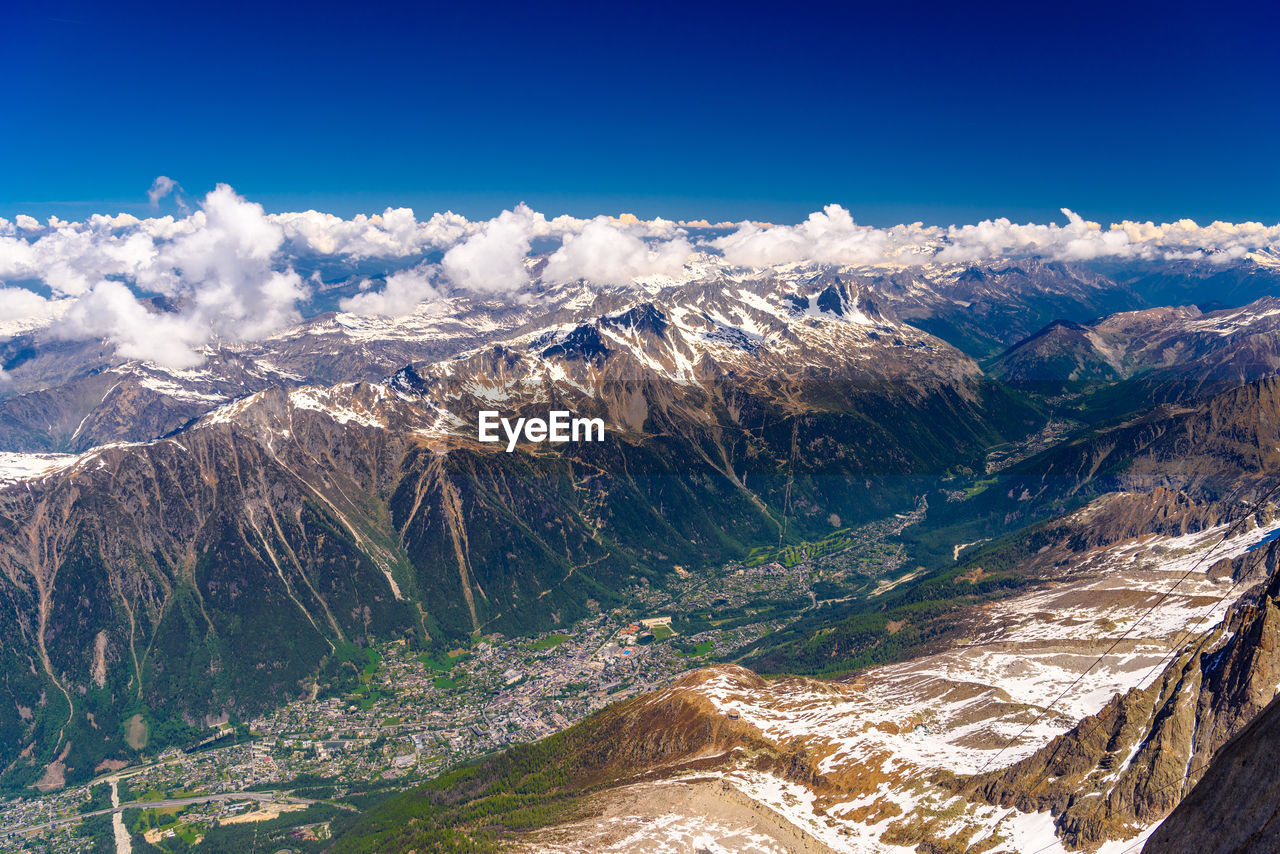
<point x="23" y="468"/>
<point x="685" y="334"/>
<point x="974" y="706"/>
<point x="18" y="467"/>
<point x="341" y="407"/>
<point x="1233" y="322"/>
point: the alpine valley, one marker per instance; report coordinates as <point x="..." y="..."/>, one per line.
<point x="916" y="554"/>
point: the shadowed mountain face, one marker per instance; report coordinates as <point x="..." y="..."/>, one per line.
<point x="1168" y="471"/>
<point x="1221" y="448"/>
<point x="1234" y="806"/>
<point x="1152" y="356"/>
<point x="982" y="309"/>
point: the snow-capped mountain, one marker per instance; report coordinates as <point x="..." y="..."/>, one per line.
<point x="162" y="530"/>
<point x="61" y="396"/>
<point x="358" y="509"/>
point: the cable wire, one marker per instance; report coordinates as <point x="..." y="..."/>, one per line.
<point x="1041" y="775"/>
<point x="1159" y="601"/>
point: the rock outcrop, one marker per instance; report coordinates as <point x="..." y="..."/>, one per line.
<point x="1234" y="807"/>
<point x="1130" y="765"/>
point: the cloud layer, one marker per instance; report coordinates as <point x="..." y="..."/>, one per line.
<point x="220" y="267"/>
<point x="832" y="237"/>
<point x="605" y="253"/>
<point x="227" y="270"/>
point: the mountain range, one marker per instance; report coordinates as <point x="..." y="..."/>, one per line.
<point x="1094" y="448"/>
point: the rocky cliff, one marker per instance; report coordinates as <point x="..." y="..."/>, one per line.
<point x="1233" y="809"/>
<point x="1129" y="765"/>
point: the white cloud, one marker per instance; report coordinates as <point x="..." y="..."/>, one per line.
<point x="829" y="237"/>
<point x="228" y="267"/>
<point x="111" y="311"/>
<point x="395" y="233"/>
<point x="18" y="303"/>
<point x="1078" y="240"/>
<point x="832" y="237"/>
<point x="22" y="310"/>
<point x="221" y="267"/>
<point x="493" y="259"/>
<point x="606" y="252"/>
<point x="164" y="186"/>
<point x="402" y="293"/>
<point x="17" y="259"/>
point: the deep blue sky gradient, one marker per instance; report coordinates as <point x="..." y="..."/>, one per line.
<point x="899" y="111"/>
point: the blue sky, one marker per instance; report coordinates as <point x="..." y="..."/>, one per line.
<point x="940" y="112"/>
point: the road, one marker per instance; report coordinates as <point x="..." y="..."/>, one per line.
<point x="261" y="797"/>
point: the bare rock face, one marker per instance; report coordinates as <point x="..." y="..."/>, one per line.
<point x="988" y="307"/>
<point x="1234" y="806"/>
<point x="1224" y="449"/>
<point x="1122" y="516"/>
<point x="1129" y="765"/>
